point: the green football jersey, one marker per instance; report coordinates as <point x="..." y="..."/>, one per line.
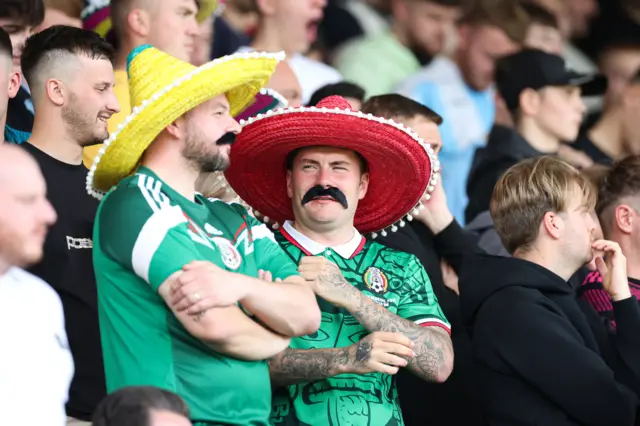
<point x="144" y="232"/>
<point x="393" y="279"/>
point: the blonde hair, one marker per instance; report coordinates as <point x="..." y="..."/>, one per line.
<point x="529" y="190"/>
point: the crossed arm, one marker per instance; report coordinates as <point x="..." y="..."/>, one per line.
<point x="433" y="349"/>
<point x="228" y="330"/>
<point x="432" y="345"/>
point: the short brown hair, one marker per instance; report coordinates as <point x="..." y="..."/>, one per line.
<point x="244" y="6"/>
<point x="394" y="106"/>
<point x="540" y="15"/>
<point x="622" y="181"/>
<point x="507" y="15"/>
<point x="71" y="8"/>
<point x="530" y="189"/>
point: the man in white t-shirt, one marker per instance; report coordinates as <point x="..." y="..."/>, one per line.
<point x="35" y="362"/>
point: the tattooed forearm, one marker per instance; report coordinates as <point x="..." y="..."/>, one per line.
<point x="433" y="348"/>
<point x="298" y="365"/>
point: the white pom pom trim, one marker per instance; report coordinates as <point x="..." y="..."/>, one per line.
<point x="92" y="7"/>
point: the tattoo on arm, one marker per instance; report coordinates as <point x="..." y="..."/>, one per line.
<point x="433" y="348"/>
<point x="363" y="351"/>
<point x="300" y="365"/>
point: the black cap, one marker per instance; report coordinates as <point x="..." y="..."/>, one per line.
<point x="535" y="69"/>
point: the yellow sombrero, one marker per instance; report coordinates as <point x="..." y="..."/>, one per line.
<point x="162" y="89"/>
<point x="96" y="16"/>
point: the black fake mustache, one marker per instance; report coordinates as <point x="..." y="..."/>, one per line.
<point x="320" y="191"/>
<point x="228" y="138"/>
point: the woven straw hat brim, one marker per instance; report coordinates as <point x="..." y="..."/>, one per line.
<point x="239" y="76"/>
<point x="400" y="167"/>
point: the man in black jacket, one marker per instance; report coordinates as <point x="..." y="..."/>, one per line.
<point x="434" y="237"/>
<point x="544" y="98"/>
<point x="541" y="355"/>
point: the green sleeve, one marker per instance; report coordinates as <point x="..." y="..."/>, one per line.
<point x="418" y="303"/>
<point x="140" y="230"/>
<point x="268" y="253"/>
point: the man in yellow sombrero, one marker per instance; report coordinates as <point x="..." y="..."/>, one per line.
<point x="332" y="176"/>
<point x="159" y="246"/>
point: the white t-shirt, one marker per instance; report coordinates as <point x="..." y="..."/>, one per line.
<point x="36" y="366"/>
<point x="311" y="74"/>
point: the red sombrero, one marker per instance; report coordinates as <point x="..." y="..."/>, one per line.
<point x="402" y="166"/>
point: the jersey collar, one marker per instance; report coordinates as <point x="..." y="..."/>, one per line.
<point x="312" y="248"/>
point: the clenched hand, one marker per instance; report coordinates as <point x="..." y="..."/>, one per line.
<point x="326" y="280"/>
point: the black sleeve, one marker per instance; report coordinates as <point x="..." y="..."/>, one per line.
<point x="480" y="187"/>
<point x="627" y="340"/>
<point x="544" y="349"/>
<point x="454" y="243"/>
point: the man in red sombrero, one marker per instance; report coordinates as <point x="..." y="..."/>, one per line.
<point x="325" y="176"/>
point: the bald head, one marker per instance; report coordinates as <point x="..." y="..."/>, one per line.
<point x="17" y="165"/>
<point x="169" y="25"/>
<point x="285" y="82"/>
<point x="26" y="213"/>
<point x="120" y="10"/>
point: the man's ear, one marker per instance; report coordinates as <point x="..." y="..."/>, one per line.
<point x="15" y="79"/>
<point x="55" y="91"/>
<point x="529" y="102"/>
<point x="139" y="22"/>
<point x="176" y="128"/>
<point x="553" y="225"/>
<point x="364" y="186"/>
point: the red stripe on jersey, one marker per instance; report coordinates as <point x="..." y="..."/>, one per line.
<point x="436" y="324"/>
<point x="294" y="242"/>
<point x="239" y="231"/>
<point x="359" y="248"/>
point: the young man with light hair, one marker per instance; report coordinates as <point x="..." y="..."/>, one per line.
<point x="541" y="355"/>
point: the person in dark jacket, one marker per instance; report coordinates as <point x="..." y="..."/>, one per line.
<point x="617" y="208"/>
<point x="434" y="237"/>
<point x="542" y="356"/>
<point x="544" y="99"/>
